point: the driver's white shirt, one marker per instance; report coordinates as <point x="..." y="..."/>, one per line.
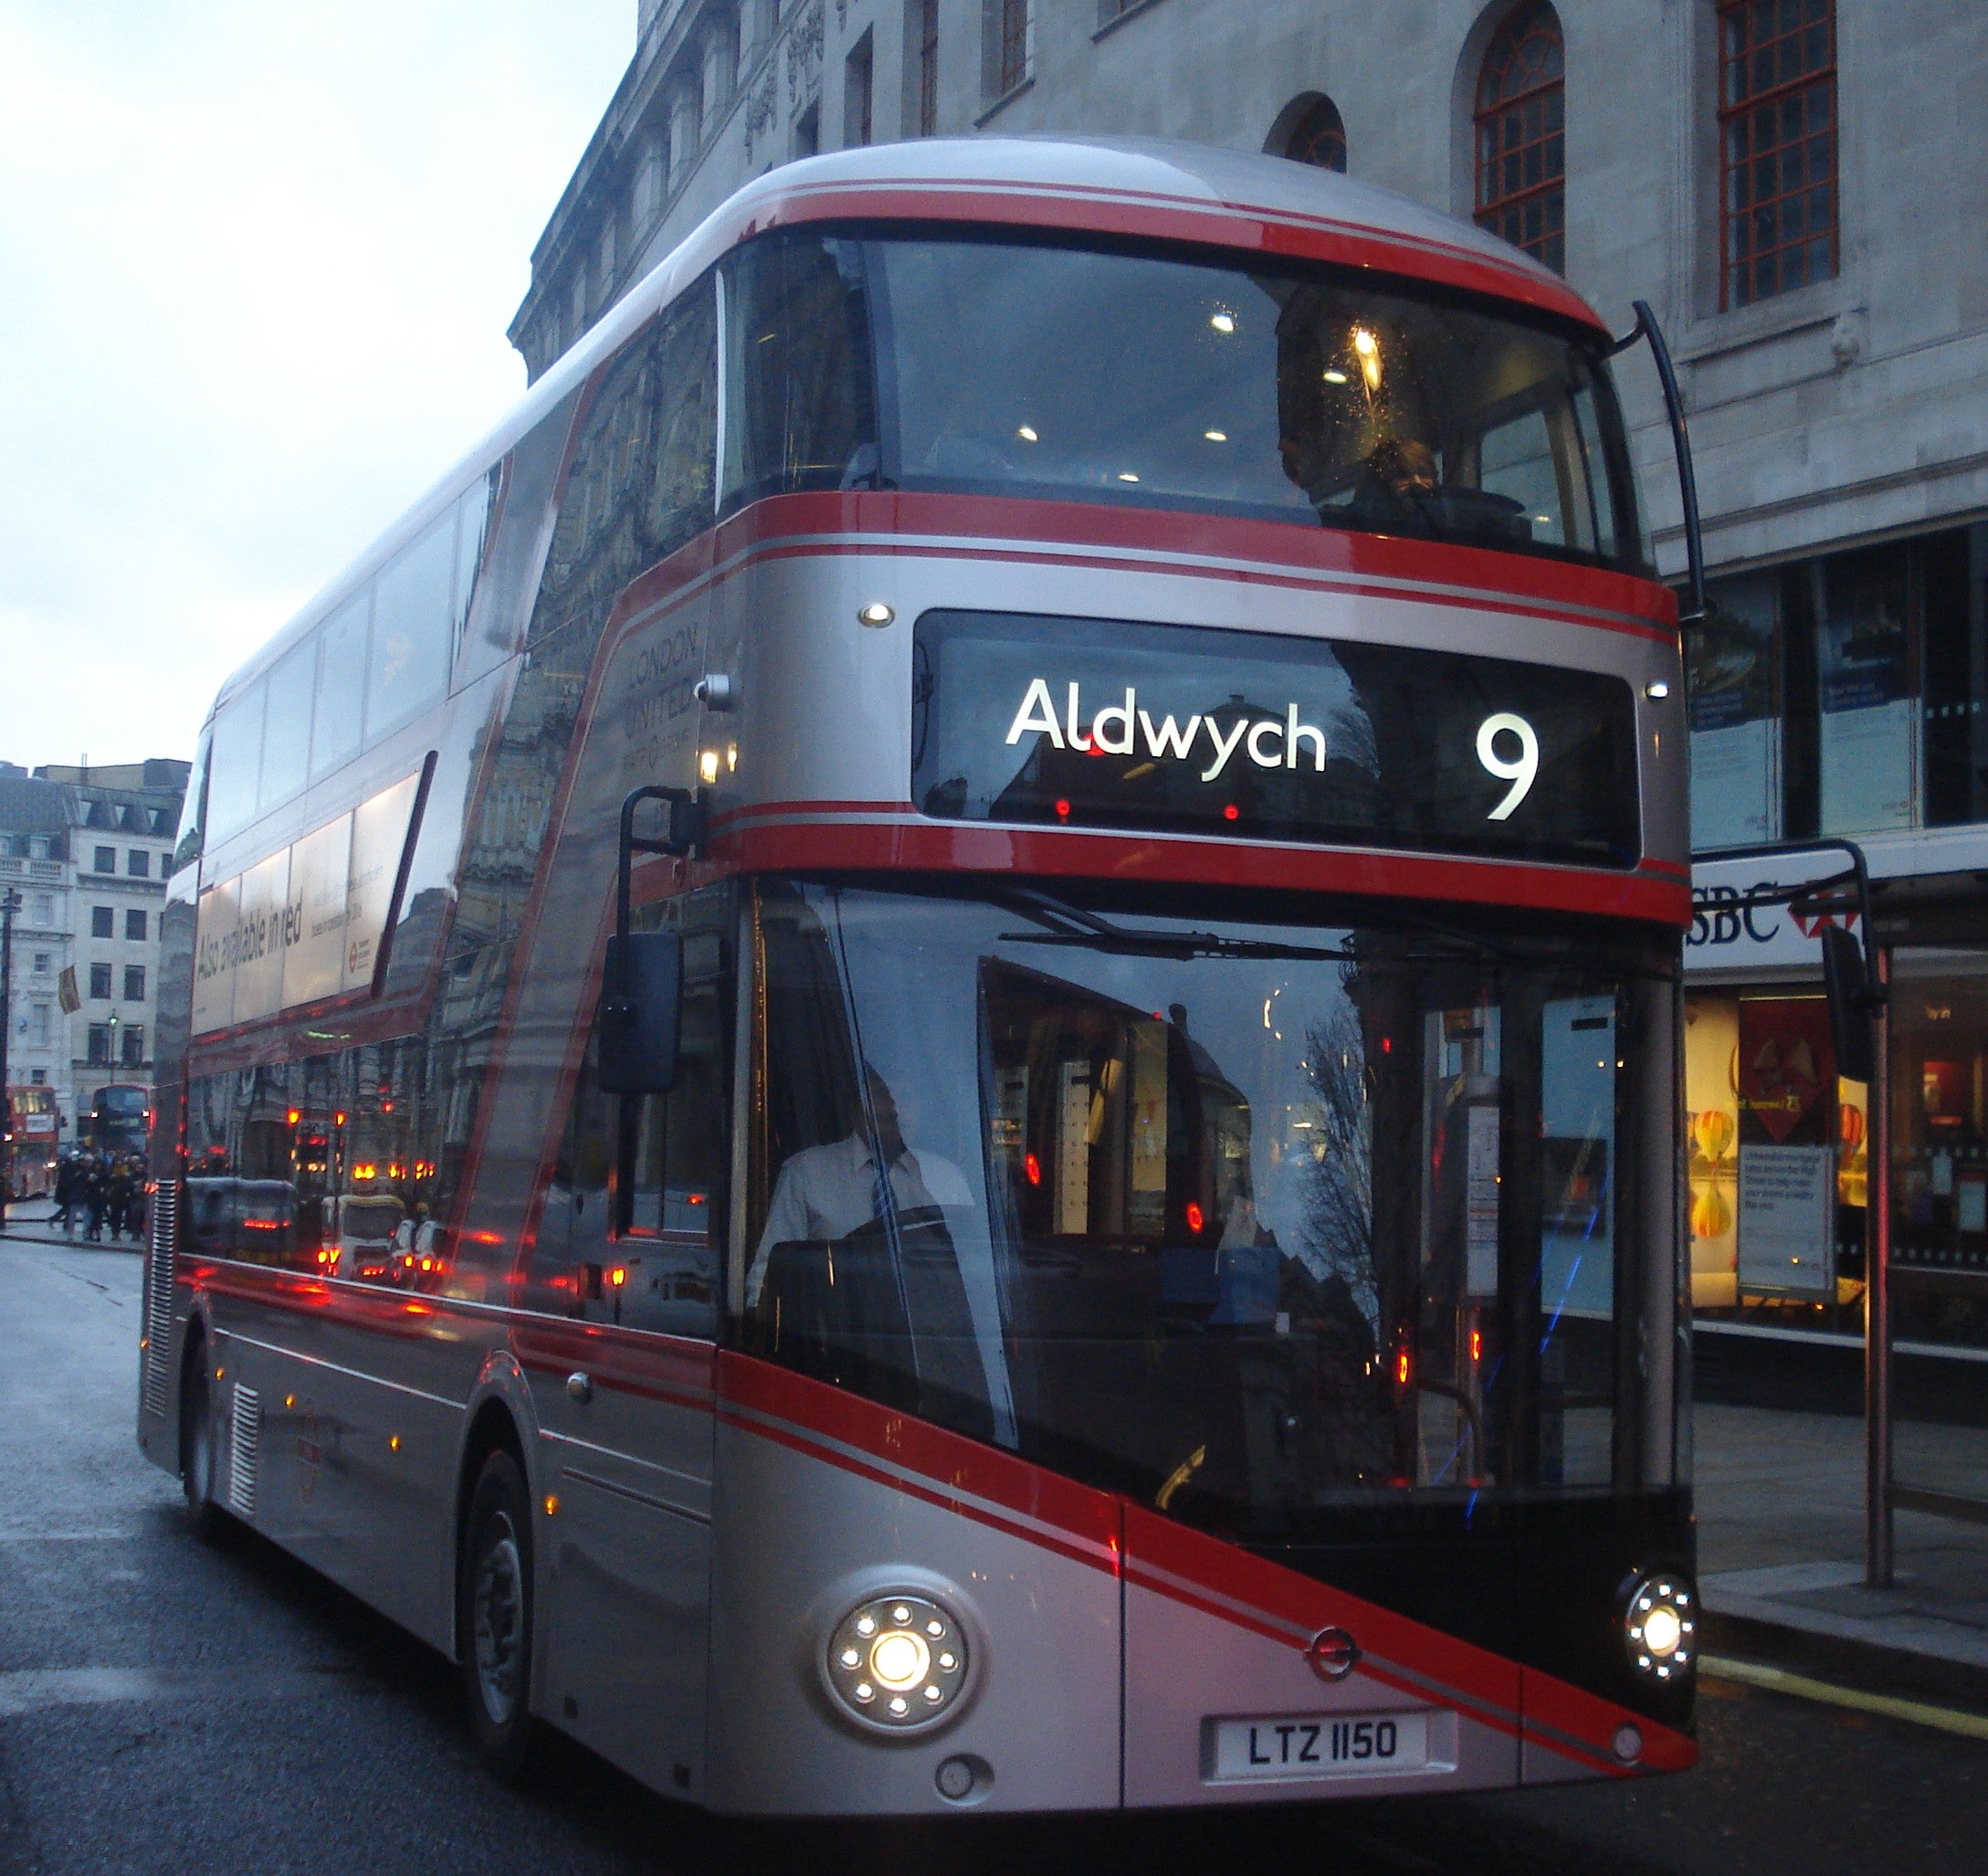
<point x="827" y="1192"/>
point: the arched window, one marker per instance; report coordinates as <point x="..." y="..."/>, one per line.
<point x="1319" y="137"/>
<point x="1777" y="134"/>
<point x="1521" y="134"/>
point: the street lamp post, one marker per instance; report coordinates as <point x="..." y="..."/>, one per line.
<point x="10" y="903"/>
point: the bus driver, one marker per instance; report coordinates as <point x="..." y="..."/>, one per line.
<point x="825" y="1193"/>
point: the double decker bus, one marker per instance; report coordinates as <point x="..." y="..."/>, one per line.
<point x="119" y="1119"/>
<point x="33" y="1131"/>
<point x="927" y="1058"/>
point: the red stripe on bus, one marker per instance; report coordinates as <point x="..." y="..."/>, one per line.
<point x="1412" y="570"/>
<point x="1572" y="1722"/>
<point x="950" y="1459"/>
<point x="677" y="1370"/>
<point x="1142" y="214"/>
<point x="804" y="845"/>
<point x="1185" y="1565"/>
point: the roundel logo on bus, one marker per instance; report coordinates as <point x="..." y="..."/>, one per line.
<point x="1505" y="744"/>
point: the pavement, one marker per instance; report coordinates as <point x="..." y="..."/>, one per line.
<point x="1780" y="1552"/>
<point x="1780" y="1499"/>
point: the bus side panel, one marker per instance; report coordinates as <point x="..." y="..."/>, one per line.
<point x="1214" y="1634"/>
<point x="800" y="1536"/>
<point x="337" y="1427"/>
<point x="627" y="1569"/>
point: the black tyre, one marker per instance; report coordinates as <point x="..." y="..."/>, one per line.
<point x="493" y="1599"/>
<point x="204" y="1516"/>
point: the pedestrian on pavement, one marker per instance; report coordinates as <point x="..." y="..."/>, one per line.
<point x="65" y="1197"/>
<point x="116" y="1197"/>
<point x="95" y="1193"/>
<point x="135" y="1218"/>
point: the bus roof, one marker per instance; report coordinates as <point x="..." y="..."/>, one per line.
<point x="1268" y="207"/>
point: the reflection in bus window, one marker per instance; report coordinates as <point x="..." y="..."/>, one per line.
<point x="412" y="635"/>
<point x="235" y="763"/>
<point x="637" y="1210"/>
<point x="339" y="726"/>
<point x="286" y="748"/>
<point x="1241" y="1221"/>
<point x="799" y="350"/>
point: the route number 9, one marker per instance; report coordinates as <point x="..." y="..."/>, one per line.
<point x="1519" y="771"/>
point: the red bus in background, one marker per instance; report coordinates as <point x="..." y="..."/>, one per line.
<point x="33" y="1134"/>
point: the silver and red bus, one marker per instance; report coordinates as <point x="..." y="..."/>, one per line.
<point x="927" y="1057"/>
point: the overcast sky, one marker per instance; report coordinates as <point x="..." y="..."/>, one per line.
<point x="256" y="259"/>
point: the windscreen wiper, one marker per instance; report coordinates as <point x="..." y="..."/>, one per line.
<point x="1064" y="923"/>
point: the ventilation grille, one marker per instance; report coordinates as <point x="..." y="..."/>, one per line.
<point x="161" y="1263"/>
<point x="247" y="1434"/>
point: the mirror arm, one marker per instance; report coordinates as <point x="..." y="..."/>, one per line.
<point x="1875" y="994"/>
<point x="685" y="834"/>
<point x="1645" y="327"/>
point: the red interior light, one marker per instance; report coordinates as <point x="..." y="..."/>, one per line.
<point x="1196" y="1217"/>
<point x="1063" y="810"/>
<point x="1403" y="1367"/>
<point x="1033" y="1167"/>
<point x="1232" y="813"/>
<point x="617" y="1276"/>
<point x="1476" y="1345"/>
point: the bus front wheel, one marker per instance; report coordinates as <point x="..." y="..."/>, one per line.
<point x="494" y="1597"/>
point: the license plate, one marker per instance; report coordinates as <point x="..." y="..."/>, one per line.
<point x="1320" y="1745"/>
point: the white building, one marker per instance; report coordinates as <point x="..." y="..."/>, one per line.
<point x="1795" y="187"/>
<point x="88" y="851"/>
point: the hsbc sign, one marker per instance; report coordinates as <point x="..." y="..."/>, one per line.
<point x="1731" y="931"/>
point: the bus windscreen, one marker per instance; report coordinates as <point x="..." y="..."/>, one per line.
<point x="996" y="366"/>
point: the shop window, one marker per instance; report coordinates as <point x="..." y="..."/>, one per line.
<point x="1732" y="682"/>
<point x="1777" y="1167"/>
<point x="1866" y="711"/>
<point x="1777" y="135"/>
<point x="1521" y="143"/>
<point x="1846" y="695"/>
<point x="1953" y="602"/>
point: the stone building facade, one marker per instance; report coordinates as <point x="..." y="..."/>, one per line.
<point x="1793" y="186"/>
<point x="89" y="851"/>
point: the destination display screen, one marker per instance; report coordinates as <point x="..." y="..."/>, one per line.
<point x="1120" y="725"/>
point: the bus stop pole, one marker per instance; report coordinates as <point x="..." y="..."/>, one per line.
<point x="1877" y="1291"/>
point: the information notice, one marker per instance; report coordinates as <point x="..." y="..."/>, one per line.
<point x="1788" y="1220"/>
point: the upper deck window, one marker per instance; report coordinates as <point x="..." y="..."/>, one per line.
<point x="1296" y="394"/>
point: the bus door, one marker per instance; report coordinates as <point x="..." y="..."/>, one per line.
<point x="628" y="1254"/>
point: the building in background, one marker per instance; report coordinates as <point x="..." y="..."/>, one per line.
<point x="1790" y="185"/>
<point x="87" y="848"/>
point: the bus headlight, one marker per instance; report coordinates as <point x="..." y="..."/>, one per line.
<point x="1660" y="1626"/>
<point x="897" y="1662"/>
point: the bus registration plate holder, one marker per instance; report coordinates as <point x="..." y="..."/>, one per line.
<point x="1319" y="1746"/>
